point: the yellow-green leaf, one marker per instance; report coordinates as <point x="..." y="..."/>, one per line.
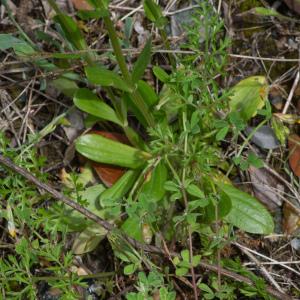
<point x="99" y="75"/>
<point x="103" y="150"/>
<point x="88" y="102"/>
<point x="248" y="96"/>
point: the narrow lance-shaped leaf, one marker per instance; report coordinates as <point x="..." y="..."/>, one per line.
<point x="147" y="93"/>
<point x="9" y="41"/>
<point x="99" y="75"/>
<point x="153" y="188"/>
<point x="160" y="74"/>
<point x="91" y="9"/>
<point x="133" y="108"/>
<point x="88" y="102"/>
<point x="142" y="62"/>
<point x="154" y="13"/>
<point x="100" y="149"/>
<point x="71" y="31"/>
<point x="65" y="85"/>
<point x="119" y="189"/>
<point x="246" y="212"/>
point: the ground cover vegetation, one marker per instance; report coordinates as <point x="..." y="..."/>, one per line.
<point x="157" y="148"/>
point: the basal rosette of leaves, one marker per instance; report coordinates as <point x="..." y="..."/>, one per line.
<point x="175" y="163"/>
<point x="179" y="140"/>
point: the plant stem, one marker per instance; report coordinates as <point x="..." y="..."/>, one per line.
<point x="22" y="32"/>
<point x="184" y="121"/>
<point x="117" y="48"/>
<point x="167" y="45"/>
<point x="246" y="141"/>
<point x="136" y="97"/>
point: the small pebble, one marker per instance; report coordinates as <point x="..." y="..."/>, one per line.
<point x="295" y="243"/>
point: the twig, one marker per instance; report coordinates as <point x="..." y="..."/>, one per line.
<point x="266" y="257"/>
<point x="59" y="196"/>
<point x="291" y="94"/>
<point x="264" y="271"/>
<point x="240" y="278"/>
<point x="278" y="59"/>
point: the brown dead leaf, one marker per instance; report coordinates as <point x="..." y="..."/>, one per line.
<point x="294" y="155"/>
<point x="266" y="187"/>
<point x="291" y="219"/>
<point x="82" y="5"/>
<point x="107" y="173"/>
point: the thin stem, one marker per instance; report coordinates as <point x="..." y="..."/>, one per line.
<point x="218" y="232"/>
<point x="184" y="121"/>
<point x="22" y="32"/>
<point x="246" y="141"/>
<point x="168" y="47"/>
<point x="117" y="48"/>
<point x="63" y="277"/>
<point x="136" y="97"/>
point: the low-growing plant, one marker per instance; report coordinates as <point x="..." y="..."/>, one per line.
<point x="175" y="186"/>
<point x="35" y="243"/>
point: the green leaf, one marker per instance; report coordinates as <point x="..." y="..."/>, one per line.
<point x="196" y="260"/>
<point x="193" y="190"/>
<point x="99" y="75"/>
<point x="222" y="133"/>
<point x="101" y="149"/>
<point x="121" y="248"/>
<point x="130" y="269"/>
<point x="176" y="260"/>
<point x="147" y="93"/>
<point x="142" y="62"/>
<point x="254" y="160"/>
<point x="93" y="14"/>
<point x="71" y="31"/>
<point x="66" y="86"/>
<point x="171" y="186"/>
<point x="9" y="41"/>
<point x="88" y="239"/>
<point x="185" y="254"/>
<point x="65" y="55"/>
<point x="154" y="13"/>
<point x="281" y="131"/>
<point x="266" y="12"/>
<point x="224" y="206"/>
<point x="181" y="271"/>
<point x="74" y="219"/>
<point x="119" y="189"/>
<point x="133" y="108"/>
<point x="88" y="102"/>
<point x="160" y="74"/>
<point x="198" y="203"/>
<point x="24" y="50"/>
<point x="164" y="294"/>
<point x="50" y="127"/>
<point x="248" y="96"/>
<point x="133" y="228"/>
<point x="204" y="287"/>
<point x="134" y="137"/>
<point x="153" y="188"/>
<point x="247" y="213"/>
